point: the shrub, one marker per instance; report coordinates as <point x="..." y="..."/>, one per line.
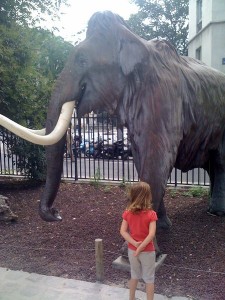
<point x="30" y="158"/>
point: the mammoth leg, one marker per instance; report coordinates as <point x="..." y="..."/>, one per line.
<point x="158" y="191"/>
<point x="157" y="181"/>
<point x="216" y="172"/>
<point x="163" y="221"/>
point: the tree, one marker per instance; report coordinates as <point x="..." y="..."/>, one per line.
<point x="28" y="12"/>
<point x="30" y="61"/>
<point x="162" y="19"/>
<point x="33" y="58"/>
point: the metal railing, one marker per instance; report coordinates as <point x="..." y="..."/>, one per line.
<point x="81" y="164"/>
<point x="95" y="128"/>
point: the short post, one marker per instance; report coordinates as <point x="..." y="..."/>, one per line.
<point x="99" y="259"/>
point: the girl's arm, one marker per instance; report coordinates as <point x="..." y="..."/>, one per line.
<point x="148" y="239"/>
<point x="126" y="235"/>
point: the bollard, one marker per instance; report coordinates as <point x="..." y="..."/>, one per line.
<point x="99" y="259"/>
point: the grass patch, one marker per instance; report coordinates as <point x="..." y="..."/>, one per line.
<point x="173" y="193"/>
<point x="198" y="191"/>
<point x="107" y="188"/>
<point x="95" y="181"/>
<point x="125" y="184"/>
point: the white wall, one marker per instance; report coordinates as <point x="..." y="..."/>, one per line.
<point x="206" y="15"/>
<point x="218" y="10"/>
<point x="211" y="38"/>
<point x="192" y="18"/>
<point x="218" y="46"/>
<point x="207" y="12"/>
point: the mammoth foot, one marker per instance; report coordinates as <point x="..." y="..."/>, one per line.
<point x="164" y="222"/>
<point x="215" y="213"/>
<point x="49" y="214"/>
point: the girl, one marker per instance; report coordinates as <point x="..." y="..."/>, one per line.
<point x="138" y="229"/>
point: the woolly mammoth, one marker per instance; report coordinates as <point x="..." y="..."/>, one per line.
<point x="172" y="106"/>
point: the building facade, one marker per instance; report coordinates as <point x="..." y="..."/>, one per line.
<point x="207" y="32"/>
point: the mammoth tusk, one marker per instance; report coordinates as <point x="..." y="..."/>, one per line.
<point x="36" y="136"/>
<point x="38" y="132"/>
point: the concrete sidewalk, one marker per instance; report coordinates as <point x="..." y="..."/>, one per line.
<point x="18" y="285"/>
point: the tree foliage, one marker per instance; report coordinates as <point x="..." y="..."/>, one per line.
<point x="30" y="61"/>
<point x="162" y="19"/>
<point x="28" y="12"/>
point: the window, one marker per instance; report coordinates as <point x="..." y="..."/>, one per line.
<point x="198" y="53"/>
<point x="199" y="15"/>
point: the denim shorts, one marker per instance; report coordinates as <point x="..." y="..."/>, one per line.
<point x="142" y="266"/>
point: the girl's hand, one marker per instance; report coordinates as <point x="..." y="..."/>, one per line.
<point x="137" y="251"/>
<point x="137" y="244"/>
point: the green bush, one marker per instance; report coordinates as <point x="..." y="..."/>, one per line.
<point x="30" y="159"/>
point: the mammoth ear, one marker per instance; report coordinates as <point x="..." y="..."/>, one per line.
<point x="132" y="52"/>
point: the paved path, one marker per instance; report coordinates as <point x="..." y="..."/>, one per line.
<point x="18" y="285"/>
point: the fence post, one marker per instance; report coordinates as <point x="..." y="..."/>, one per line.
<point x="99" y="259"/>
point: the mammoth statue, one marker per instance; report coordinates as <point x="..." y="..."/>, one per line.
<point x="172" y="106"/>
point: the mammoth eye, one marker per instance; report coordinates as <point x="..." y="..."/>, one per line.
<point x="81" y="61"/>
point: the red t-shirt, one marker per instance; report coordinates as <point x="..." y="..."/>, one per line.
<point x="139" y="226"/>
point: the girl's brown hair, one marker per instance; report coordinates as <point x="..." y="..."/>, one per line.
<point x="140" y="197"/>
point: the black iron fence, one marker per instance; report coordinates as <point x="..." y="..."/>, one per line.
<point x="97" y="149"/>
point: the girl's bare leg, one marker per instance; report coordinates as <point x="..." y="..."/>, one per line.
<point x="150" y="291"/>
<point x="133" y="285"/>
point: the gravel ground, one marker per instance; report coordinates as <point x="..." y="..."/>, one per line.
<point x="195" y="244"/>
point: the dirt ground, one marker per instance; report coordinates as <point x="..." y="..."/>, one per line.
<point x="195" y="244"/>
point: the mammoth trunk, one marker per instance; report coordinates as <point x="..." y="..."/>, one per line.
<point x="54" y="158"/>
<point x="63" y="92"/>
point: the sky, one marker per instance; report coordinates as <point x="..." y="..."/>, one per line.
<point x="75" y="17"/>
